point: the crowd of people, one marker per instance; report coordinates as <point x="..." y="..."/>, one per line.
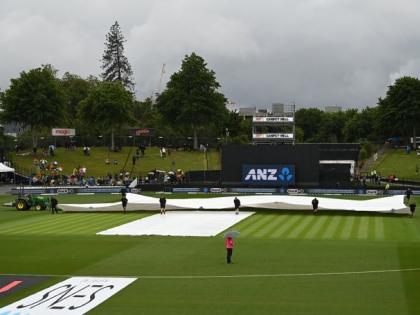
<point x="51" y="173"/>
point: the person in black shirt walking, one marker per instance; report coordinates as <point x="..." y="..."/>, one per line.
<point x="124" y="201"/>
<point x="412" y="208"/>
<point x="408" y="193"/>
<point x="54" y="203"/>
<point x="315" y="205"/>
<point x="237" y="204"/>
<point x="162" y="201"/>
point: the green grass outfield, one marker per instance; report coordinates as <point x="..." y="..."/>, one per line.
<point x="284" y="262"/>
<point x="398" y="162"/>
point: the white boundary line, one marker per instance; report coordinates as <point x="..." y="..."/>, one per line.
<point x="310" y="274"/>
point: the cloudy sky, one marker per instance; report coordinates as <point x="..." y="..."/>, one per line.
<point x="313" y="52"/>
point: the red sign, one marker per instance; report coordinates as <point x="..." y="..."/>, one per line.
<point x="63" y="132"/>
<point x="142" y="132"/>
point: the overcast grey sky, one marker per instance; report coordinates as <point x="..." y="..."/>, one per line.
<point x="313" y="52"/>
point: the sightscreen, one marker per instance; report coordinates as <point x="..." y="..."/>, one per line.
<point x="303" y="157"/>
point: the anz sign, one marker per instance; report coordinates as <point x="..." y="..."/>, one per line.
<point x="283" y="175"/>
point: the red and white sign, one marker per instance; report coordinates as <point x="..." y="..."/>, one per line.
<point x="271" y="119"/>
<point x="272" y="136"/>
<point x="76" y="295"/>
<point x="63" y="132"/>
<point x="142" y="132"/>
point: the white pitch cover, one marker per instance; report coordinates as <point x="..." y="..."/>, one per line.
<point x="76" y="295"/>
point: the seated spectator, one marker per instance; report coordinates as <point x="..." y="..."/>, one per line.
<point x="86" y="150"/>
<point x="180" y="177"/>
<point x="172" y="177"/>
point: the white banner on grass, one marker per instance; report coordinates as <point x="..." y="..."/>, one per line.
<point x="76" y="295"/>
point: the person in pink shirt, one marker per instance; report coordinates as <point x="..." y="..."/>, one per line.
<point x="229" y="249"/>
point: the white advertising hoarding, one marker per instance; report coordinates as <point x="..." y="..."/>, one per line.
<point x="63" y="132"/>
<point x="268" y="136"/>
<point x="272" y="119"/>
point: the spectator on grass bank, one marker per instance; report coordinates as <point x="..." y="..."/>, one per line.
<point x="142" y="149"/>
<point x="124" y="201"/>
<point x="386" y="190"/>
<point x="237" y="204"/>
<point x="86" y="150"/>
<point x="162" y="202"/>
<point x="229" y="249"/>
<point x="51" y="150"/>
<point x="412" y="208"/>
<point x="408" y="193"/>
<point x="162" y="152"/>
<point x="54" y="203"/>
<point x="315" y="205"/>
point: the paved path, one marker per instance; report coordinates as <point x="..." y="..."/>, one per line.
<point x="5" y="189"/>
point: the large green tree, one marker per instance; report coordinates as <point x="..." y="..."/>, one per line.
<point x="239" y="129"/>
<point x="399" y="111"/>
<point x="75" y="90"/>
<point x="361" y="125"/>
<point x="108" y="107"/>
<point x="309" y="121"/>
<point x="332" y="127"/>
<point x="34" y="100"/>
<point x="191" y="99"/>
<point x="115" y="64"/>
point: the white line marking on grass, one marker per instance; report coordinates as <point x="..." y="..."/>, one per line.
<point x="278" y="275"/>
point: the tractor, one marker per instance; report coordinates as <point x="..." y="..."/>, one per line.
<point x="29" y="201"/>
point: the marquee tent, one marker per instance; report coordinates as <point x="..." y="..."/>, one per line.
<point x="6" y="169"/>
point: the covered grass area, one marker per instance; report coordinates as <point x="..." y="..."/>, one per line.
<point x="284" y="263"/>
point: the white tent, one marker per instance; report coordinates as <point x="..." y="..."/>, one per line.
<point x="6" y="169"/>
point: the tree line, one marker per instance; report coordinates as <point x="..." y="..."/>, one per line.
<point x="191" y="104"/>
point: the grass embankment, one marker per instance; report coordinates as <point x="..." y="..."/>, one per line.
<point x="95" y="163"/>
<point x="399" y="163"/>
<point x="290" y="245"/>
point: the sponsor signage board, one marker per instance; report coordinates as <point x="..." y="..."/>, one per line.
<point x="63" y="132"/>
<point x="295" y="191"/>
<point x="253" y="190"/>
<point x="185" y="189"/>
<point x="268" y="174"/>
<point x="272" y="119"/>
<point x="76" y="295"/>
<point x="143" y="132"/>
<point x="331" y="191"/>
<point x="272" y="135"/>
<point x="67" y="190"/>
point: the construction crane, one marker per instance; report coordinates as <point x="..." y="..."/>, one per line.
<point x="159" y="89"/>
<point x="162" y="72"/>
